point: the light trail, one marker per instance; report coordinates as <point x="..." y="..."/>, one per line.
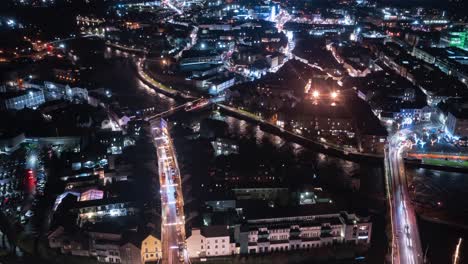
<point x="456" y="256"/>
<point x="173" y="225"/>
<point x="405" y="235"/>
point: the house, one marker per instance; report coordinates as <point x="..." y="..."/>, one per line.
<point x="151" y="248"/>
<point x="130" y="252"/>
<point x="210" y="241"/>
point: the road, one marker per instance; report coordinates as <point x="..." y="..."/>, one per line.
<point x="173" y="218"/>
<point x="188" y="106"/>
<point x="405" y="234"/>
<point x="157" y="85"/>
<point x="172" y="6"/>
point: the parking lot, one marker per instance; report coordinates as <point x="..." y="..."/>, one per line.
<point x="22" y="182"/>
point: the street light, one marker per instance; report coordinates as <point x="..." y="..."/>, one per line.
<point x="334" y="95"/>
<point x="315" y="94"/>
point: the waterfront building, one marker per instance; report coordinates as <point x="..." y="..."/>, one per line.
<point x="263" y="232"/>
<point x="284" y="233"/>
<point x="222" y="146"/>
<point x="29" y="98"/>
<point x="210" y="241"/>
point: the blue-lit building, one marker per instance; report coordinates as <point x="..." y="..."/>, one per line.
<point x="266" y="12"/>
<point x="30" y="98"/>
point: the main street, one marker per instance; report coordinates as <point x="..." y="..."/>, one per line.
<point x="173" y="218"/>
<point x="405" y="235"/>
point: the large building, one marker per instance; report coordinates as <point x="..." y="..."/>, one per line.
<point x="94" y="211"/>
<point x="266" y="234"/>
<point x="319" y="119"/>
<point x="30" y="98"/>
<point x="210" y="241"/>
<point x="103" y="246"/>
<point x="457" y="122"/>
<point x="199" y="57"/>
<point x="451" y="61"/>
<point x="456" y="36"/>
<point x="215" y="84"/>
<point x="222" y="146"/>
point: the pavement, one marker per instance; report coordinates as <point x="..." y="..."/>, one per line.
<point x="406" y="240"/>
<point x="173" y="218"/>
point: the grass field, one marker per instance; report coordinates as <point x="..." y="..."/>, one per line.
<point x="449" y="163"/>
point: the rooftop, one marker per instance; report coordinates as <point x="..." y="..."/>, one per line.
<point x="215" y="231"/>
<point x="13" y="94"/>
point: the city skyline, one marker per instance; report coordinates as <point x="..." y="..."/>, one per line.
<point x="242" y="131"/>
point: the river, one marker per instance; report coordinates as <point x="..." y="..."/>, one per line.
<point x="447" y="190"/>
<point x="115" y="70"/>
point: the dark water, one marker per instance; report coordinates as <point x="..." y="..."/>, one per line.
<point x="451" y="190"/>
<point x="115" y="70"/>
<point x="439" y="241"/>
<point x="334" y="172"/>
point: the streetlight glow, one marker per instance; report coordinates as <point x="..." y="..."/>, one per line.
<point x="315" y="94"/>
<point x="334" y="95"/>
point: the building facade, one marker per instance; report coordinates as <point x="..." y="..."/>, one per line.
<point x="304" y="232"/>
<point x="130" y="253"/>
<point x="457" y="124"/>
<point x="210" y="241"/>
<point x="151" y="249"/>
<point x="264" y="234"/>
<point x="94" y="211"/>
<point x="30" y="98"/>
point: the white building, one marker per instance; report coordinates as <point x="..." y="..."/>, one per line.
<point x="210" y="241"/>
<point x="303" y="232"/>
<point x="151" y="249"/>
<point x="220" y="84"/>
<point x="30" y="98"/>
<point x="225" y="147"/>
<point x="275" y="234"/>
<point x="94" y="211"/>
<point x="107" y="251"/>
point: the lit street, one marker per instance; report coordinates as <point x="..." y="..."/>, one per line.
<point x="406" y="241"/>
<point x="173" y="224"/>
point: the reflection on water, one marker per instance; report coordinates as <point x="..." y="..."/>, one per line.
<point x="439" y="242"/>
<point x="116" y="70"/>
<point x="449" y="188"/>
<point x="241" y="128"/>
<point x="259" y="135"/>
<point x="333" y="172"/>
